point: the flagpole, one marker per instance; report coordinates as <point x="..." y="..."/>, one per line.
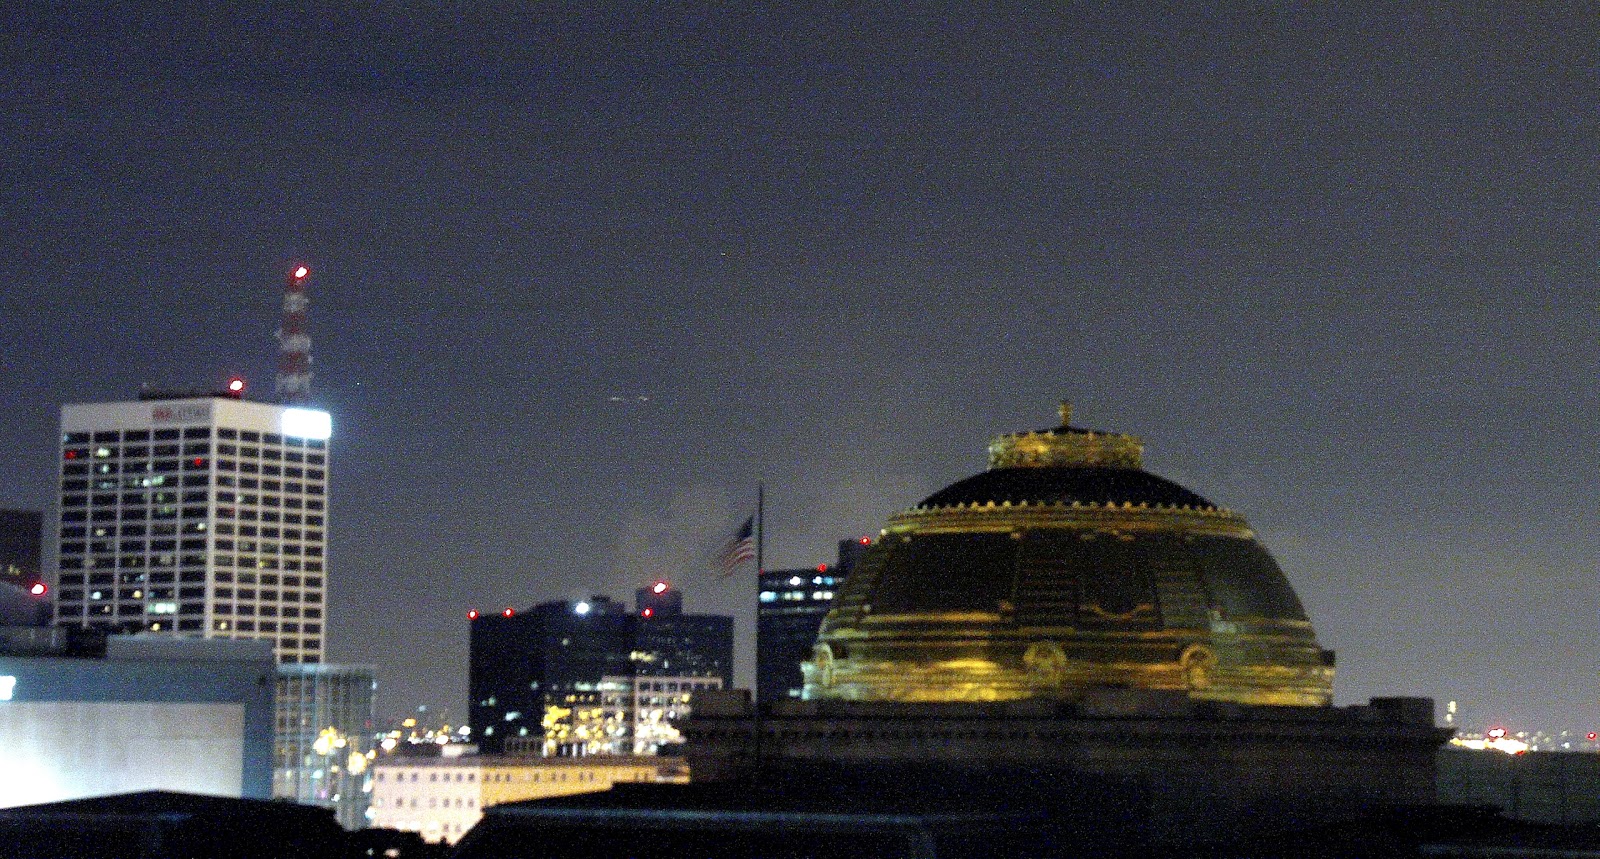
<point x="761" y="540"/>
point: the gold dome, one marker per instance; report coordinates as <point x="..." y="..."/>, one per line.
<point x="1066" y="566"/>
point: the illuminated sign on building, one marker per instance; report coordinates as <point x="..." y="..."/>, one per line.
<point x="180" y="414"/>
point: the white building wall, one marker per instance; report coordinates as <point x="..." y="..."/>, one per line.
<point x="53" y="751"/>
<point x="438" y="799"/>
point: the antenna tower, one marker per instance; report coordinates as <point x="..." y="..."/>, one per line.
<point x="294" y="363"/>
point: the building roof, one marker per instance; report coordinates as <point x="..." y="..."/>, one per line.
<point x="884" y="812"/>
<point x="1065" y="485"/>
<point x="158" y="824"/>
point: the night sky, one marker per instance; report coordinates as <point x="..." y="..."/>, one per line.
<point x="583" y="275"/>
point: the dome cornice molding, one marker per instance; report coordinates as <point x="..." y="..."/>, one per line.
<point x="1022" y="516"/>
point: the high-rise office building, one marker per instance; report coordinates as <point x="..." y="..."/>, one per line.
<point x="669" y="643"/>
<point x="790" y="608"/>
<point x="206" y="515"/>
<point x="591" y="677"/>
<point x="202" y="515"/>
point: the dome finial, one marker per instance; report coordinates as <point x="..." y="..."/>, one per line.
<point x="1066" y="446"/>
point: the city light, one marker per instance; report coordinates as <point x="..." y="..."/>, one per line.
<point x="582" y="608"/>
<point x="38" y="589"/>
<point x="306" y="423"/>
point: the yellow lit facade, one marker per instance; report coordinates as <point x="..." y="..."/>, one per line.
<point x="443" y="798"/>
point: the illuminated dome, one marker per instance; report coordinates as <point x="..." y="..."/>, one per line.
<point x="1067" y="566"/>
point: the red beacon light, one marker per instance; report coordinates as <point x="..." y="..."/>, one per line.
<point x="508" y="612"/>
<point x="39" y="590"/>
<point x="236" y="385"/>
<point x="822" y="568"/>
<point x="658" y="588"/>
<point x="865" y="541"/>
<point x="472" y="615"/>
<point x="301" y="272"/>
<point x="649" y="612"/>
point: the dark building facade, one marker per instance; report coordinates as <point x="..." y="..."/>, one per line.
<point x="669" y="643"/>
<point x="21" y="545"/>
<point x="521" y="662"/>
<point x="562" y="676"/>
<point x="789" y="610"/>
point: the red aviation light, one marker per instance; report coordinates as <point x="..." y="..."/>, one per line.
<point x="649" y="612"/>
<point x="39" y="589"/>
<point x="822" y="568"/>
<point x="472" y="615"/>
<point x="865" y="541"/>
<point x="1592" y="736"/>
<point x="235" y="385"/>
<point x="658" y="588"/>
<point x="508" y="613"/>
<point x="301" y="272"/>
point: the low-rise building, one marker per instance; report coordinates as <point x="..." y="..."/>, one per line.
<point x="84" y="716"/>
<point x="443" y="798"/>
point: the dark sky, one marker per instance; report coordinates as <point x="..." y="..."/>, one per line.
<point x="1335" y="267"/>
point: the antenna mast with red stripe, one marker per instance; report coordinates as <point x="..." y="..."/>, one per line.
<point x="294" y="363"/>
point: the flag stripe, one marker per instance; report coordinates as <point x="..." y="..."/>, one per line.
<point x="740" y="547"/>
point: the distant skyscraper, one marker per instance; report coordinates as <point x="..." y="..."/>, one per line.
<point x="790" y="608"/>
<point x="21" y="546"/>
<point x="669" y="643"/>
<point x="202" y="515"/>
<point x="587" y="677"/>
<point x="554" y="655"/>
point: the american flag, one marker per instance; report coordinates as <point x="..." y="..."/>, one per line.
<point x="740" y="547"/>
